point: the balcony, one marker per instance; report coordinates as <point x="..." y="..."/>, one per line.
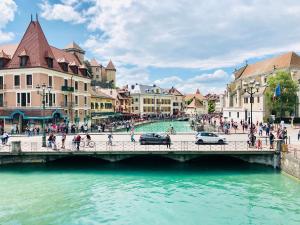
<point x="67" y="88"/>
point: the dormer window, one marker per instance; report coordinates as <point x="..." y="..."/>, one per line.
<point x="23" y="61"/>
<point x="23" y="58"/>
<point x="63" y="64"/>
<point x="64" y="67"/>
<point x="49" y="62"/>
<point x="1" y="63"/>
<point x="73" y="67"/>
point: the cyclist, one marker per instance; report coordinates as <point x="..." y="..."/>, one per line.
<point x="88" y="139"/>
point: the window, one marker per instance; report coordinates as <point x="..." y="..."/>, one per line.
<point x="23" y="61"/>
<point x="229" y="114"/>
<point x="1" y="63"/>
<point x="237" y="114"/>
<point x="75" y="69"/>
<point x="50" y="83"/>
<point x="85" y="86"/>
<point x="96" y="105"/>
<point x="92" y="105"/>
<point x="49" y="62"/>
<point x="66" y="100"/>
<point x="17" y="80"/>
<point x="29" y="80"/>
<point x="76" y="85"/>
<point x="85" y="100"/>
<point x="64" y="67"/>
<point x="50" y="99"/>
<point x="23" y="99"/>
<point x="136" y="108"/>
<point x="97" y="69"/>
<point x="136" y="100"/>
<point x="28" y="98"/>
<point x="1" y="83"/>
<point x="66" y="82"/>
<point x="1" y="100"/>
<point x="76" y="100"/>
<point x="258" y="99"/>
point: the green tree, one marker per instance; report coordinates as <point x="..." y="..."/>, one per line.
<point x="211" y="106"/>
<point x="287" y="100"/>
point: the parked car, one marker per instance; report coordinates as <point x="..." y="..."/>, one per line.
<point x="153" y="139"/>
<point x="209" y="138"/>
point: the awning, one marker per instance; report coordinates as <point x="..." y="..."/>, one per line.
<point x="32" y="113"/>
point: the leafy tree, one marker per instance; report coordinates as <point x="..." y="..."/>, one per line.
<point x="288" y="98"/>
<point x="211" y="106"/>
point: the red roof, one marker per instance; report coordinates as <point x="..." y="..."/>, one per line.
<point x="35" y="45"/>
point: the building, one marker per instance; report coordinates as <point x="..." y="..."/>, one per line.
<point x="34" y="63"/>
<point x="217" y="101"/>
<point x="104" y="77"/>
<point x="124" y="100"/>
<point x="102" y="106"/>
<point x="195" y="104"/>
<point x="150" y="100"/>
<point x="177" y="101"/>
<point x="237" y="102"/>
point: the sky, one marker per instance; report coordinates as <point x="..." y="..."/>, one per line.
<point x="187" y="44"/>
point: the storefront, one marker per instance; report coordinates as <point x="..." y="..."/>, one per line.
<point x="22" y="118"/>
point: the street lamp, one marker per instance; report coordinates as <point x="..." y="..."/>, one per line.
<point x="42" y="91"/>
<point x="251" y="88"/>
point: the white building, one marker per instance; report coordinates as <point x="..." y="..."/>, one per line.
<point x="150" y="100"/>
<point x="237" y="102"/>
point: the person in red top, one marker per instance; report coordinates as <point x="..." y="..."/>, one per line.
<point x="77" y="141"/>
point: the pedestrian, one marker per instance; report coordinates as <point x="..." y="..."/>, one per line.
<point x="168" y="141"/>
<point x="110" y="137"/>
<point x="271" y="137"/>
<point x="63" y="140"/>
<point x="5" y="138"/>
<point x="132" y="137"/>
<point x="77" y="141"/>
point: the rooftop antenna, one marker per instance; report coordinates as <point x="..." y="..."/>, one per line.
<point x="37" y="18"/>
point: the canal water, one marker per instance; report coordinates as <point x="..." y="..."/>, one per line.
<point x="164" y="126"/>
<point x="148" y="192"/>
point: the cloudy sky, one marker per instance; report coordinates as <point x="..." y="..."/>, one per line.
<point x="188" y="44"/>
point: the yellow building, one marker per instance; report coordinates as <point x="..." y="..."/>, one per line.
<point x="102" y="106"/>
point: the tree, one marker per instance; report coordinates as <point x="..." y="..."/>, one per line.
<point x="287" y="100"/>
<point x="211" y="106"/>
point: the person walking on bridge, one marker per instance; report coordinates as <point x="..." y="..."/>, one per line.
<point x="271" y="137"/>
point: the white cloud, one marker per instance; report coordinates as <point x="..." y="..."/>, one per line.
<point x="65" y="12"/>
<point x="183" y="34"/>
<point x="207" y="82"/>
<point x="192" y="34"/>
<point x="8" y="9"/>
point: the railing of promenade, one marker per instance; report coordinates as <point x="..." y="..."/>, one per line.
<point x="127" y="146"/>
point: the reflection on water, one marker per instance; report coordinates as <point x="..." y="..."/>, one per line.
<point x="210" y="190"/>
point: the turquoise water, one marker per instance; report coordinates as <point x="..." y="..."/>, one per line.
<point x="147" y="193"/>
<point x="164" y="126"/>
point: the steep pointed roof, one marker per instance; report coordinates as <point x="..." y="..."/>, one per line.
<point x="34" y="45"/>
<point x="74" y="45"/>
<point x="110" y="66"/>
<point x="197" y="95"/>
<point x="3" y="55"/>
<point x="195" y="103"/>
<point x="94" y="63"/>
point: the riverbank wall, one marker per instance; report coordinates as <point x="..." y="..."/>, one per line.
<point x="290" y="165"/>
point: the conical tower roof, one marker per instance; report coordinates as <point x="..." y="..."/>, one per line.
<point x="110" y="66"/>
<point x="75" y="46"/>
<point x="35" y="46"/>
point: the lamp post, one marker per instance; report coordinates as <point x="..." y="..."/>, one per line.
<point x="251" y="88"/>
<point x="42" y="91"/>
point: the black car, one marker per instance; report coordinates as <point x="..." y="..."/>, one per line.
<point x="153" y="139"/>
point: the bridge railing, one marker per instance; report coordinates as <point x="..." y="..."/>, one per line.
<point x="127" y="146"/>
